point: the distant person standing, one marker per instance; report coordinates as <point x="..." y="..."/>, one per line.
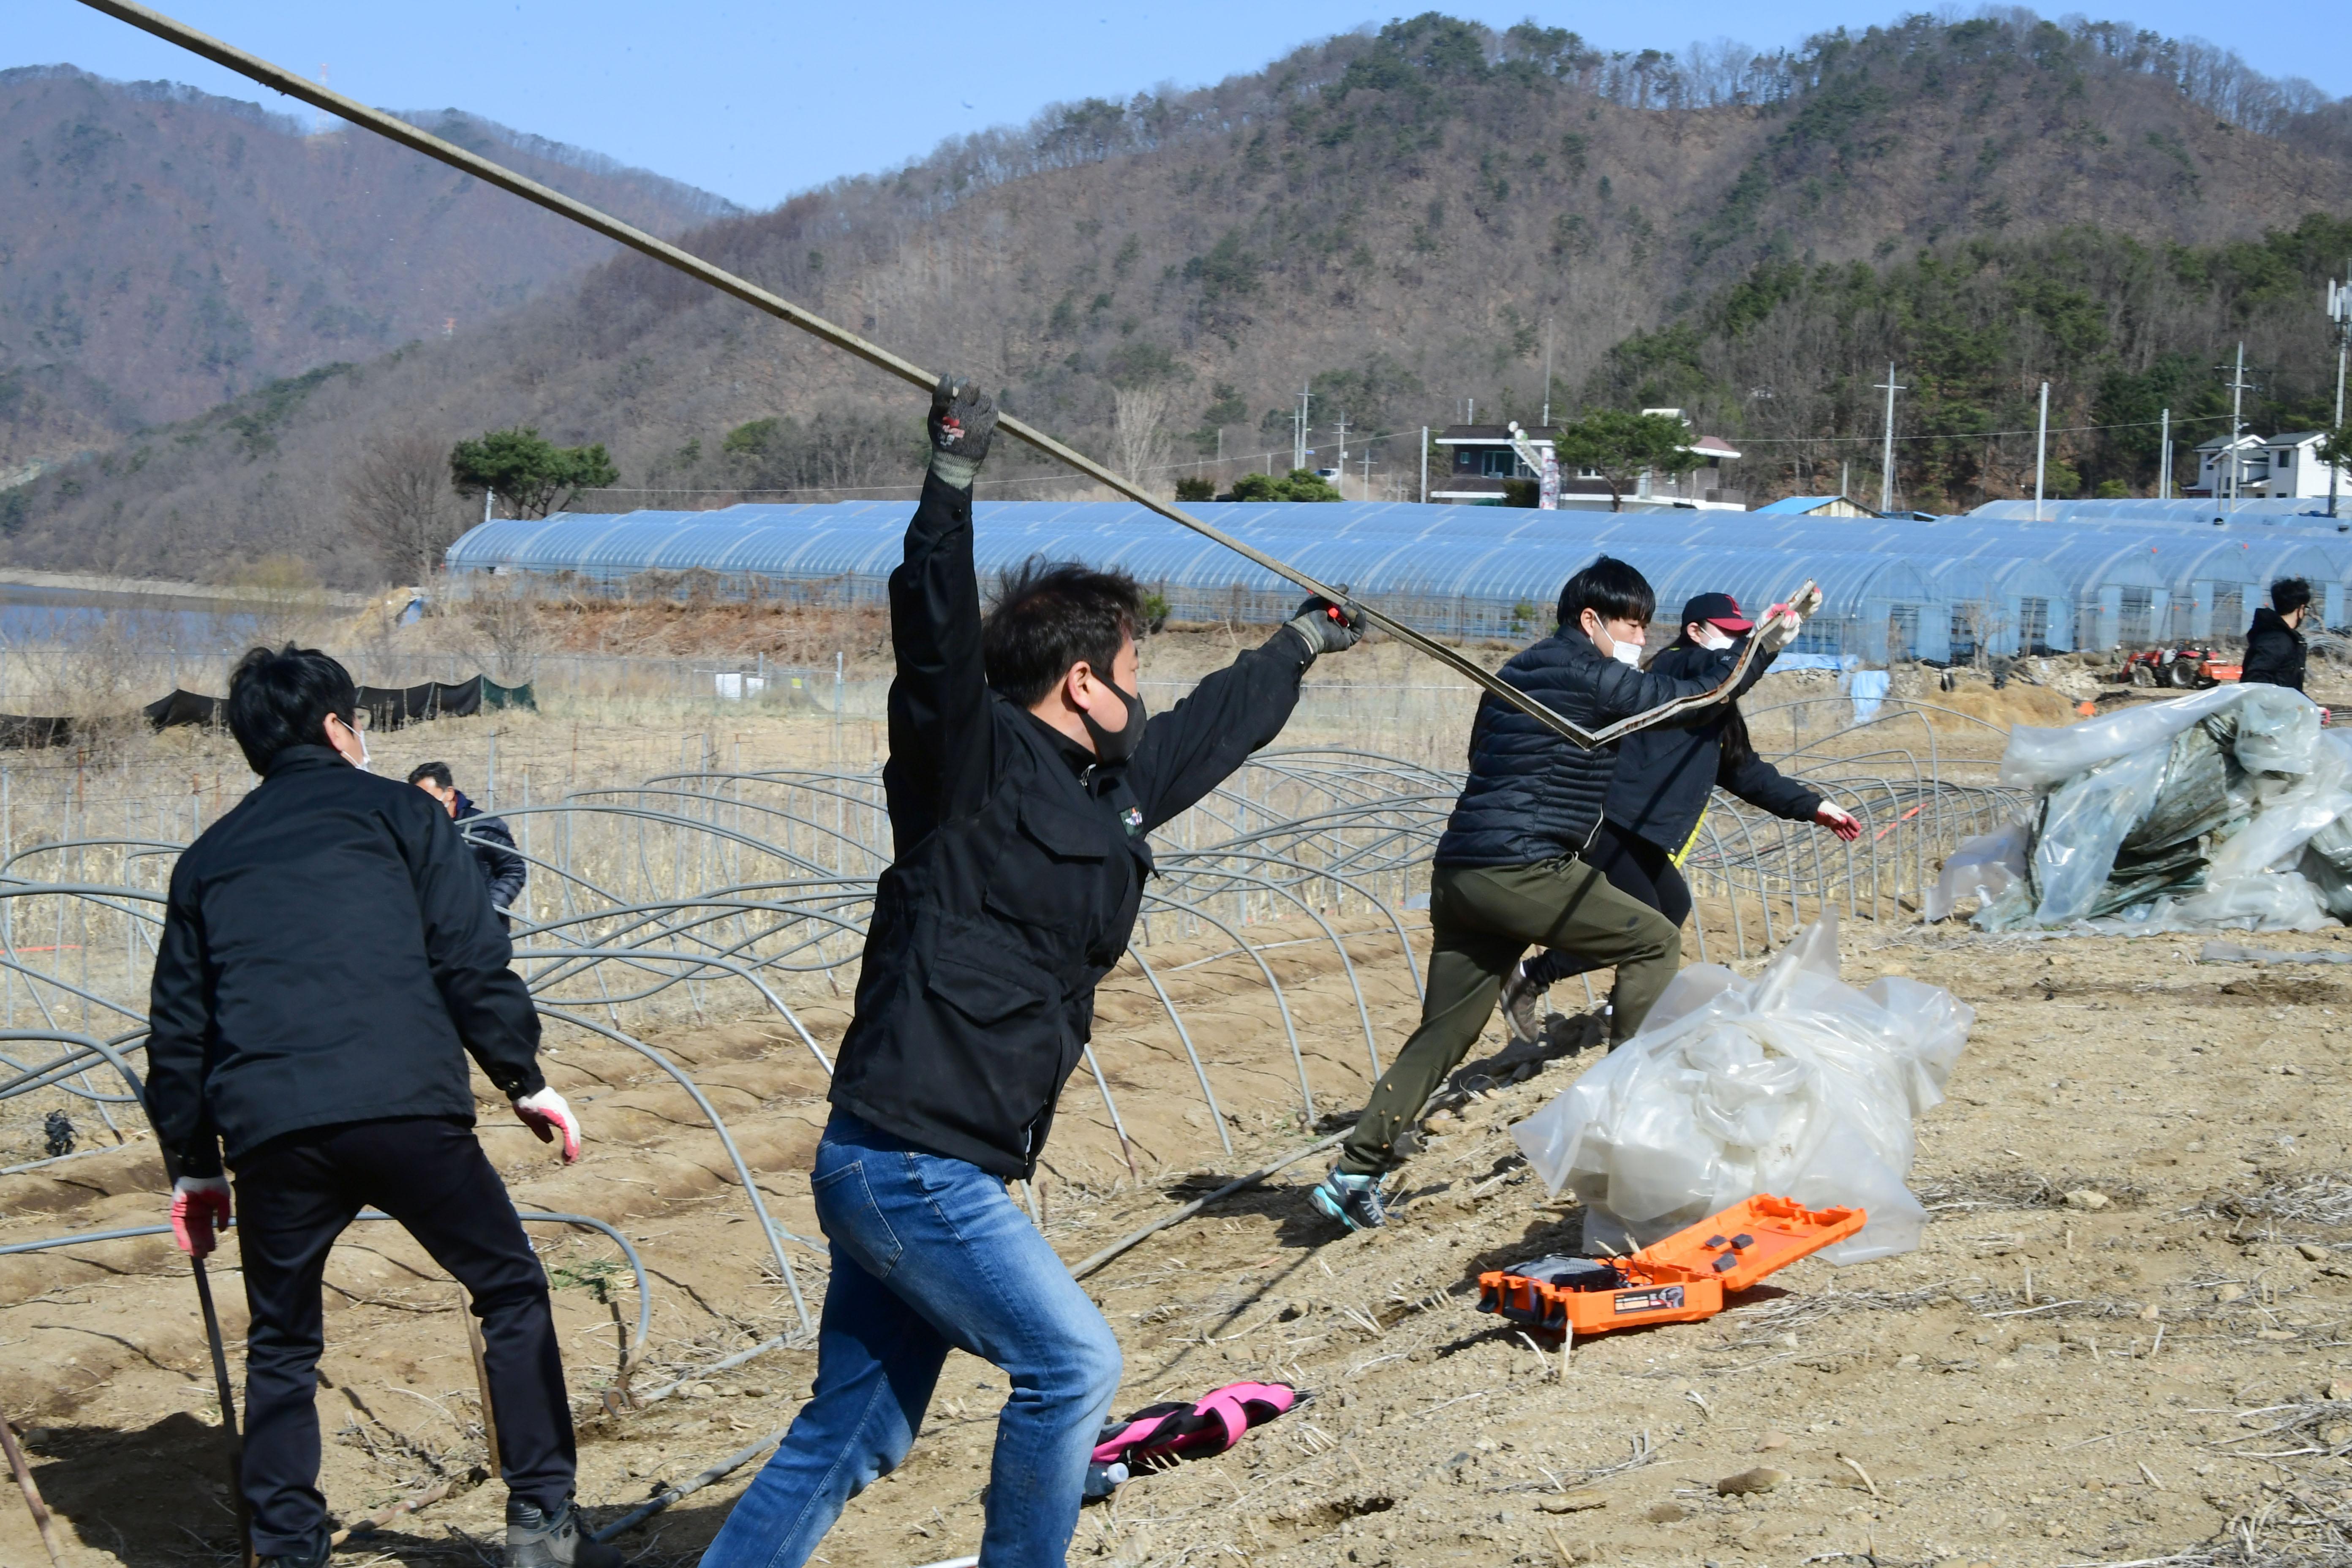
<point x="2275" y="647"/>
<point x="488" y="837"/>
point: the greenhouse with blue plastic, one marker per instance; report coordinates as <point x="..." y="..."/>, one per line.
<point x="2084" y="574"/>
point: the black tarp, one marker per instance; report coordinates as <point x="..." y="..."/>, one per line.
<point x="184" y="707"/>
<point x="22" y="731"/>
<point x="389" y="707"/>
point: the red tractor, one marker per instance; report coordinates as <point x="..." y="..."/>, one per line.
<point x="2185" y="668"/>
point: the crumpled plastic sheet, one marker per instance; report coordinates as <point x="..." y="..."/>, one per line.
<point x="1793" y="1083"/>
<point x="2224" y="809"/>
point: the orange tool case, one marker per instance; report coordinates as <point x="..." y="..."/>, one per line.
<point x="1678" y="1280"/>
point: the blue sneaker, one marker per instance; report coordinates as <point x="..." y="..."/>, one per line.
<point x="1354" y="1201"/>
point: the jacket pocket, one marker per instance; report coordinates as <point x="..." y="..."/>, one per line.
<point x="984" y="995"/>
<point x="1050" y="872"/>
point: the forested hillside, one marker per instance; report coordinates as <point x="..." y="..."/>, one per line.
<point x="164" y="250"/>
<point x="1397" y="216"/>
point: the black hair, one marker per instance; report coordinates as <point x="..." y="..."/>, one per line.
<point x="1610" y="589"/>
<point x="2289" y="595"/>
<point x="1049" y="617"/>
<point x="281" y="698"/>
<point x="437" y="771"/>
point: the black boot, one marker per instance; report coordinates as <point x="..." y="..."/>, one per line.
<point x="315" y="1558"/>
<point x="537" y="1539"/>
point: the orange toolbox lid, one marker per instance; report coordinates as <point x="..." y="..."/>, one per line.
<point x="1679" y="1279"/>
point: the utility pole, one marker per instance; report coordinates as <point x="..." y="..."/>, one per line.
<point x="1547" y="397"/>
<point x="1424" y="465"/>
<point x="1298" y="425"/>
<point x="2238" y="384"/>
<point x="1368" y="473"/>
<point x="2339" y="310"/>
<point x="2041" y="450"/>
<point x="1887" y="461"/>
<point x="2164" y="458"/>
<point x="1343" y="441"/>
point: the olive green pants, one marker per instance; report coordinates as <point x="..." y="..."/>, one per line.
<point x="1481" y="922"/>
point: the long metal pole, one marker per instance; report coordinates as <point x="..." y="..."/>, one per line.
<point x="2040" y="450"/>
<point x="281" y="80"/>
<point x="2237" y="424"/>
<point x="1886" y="458"/>
<point x="2164" y="458"/>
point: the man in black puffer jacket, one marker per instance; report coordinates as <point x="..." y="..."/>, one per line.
<point x="1510" y="872"/>
<point x="2274" y="650"/>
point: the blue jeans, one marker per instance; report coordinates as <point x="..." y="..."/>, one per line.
<point x="931" y="1253"/>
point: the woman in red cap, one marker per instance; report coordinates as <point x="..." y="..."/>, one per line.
<point x="1658" y="798"/>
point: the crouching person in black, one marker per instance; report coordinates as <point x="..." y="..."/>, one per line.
<point x="1022" y="778"/>
<point x="327" y="963"/>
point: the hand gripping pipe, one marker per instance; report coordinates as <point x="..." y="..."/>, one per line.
<point x="282" y="80"/>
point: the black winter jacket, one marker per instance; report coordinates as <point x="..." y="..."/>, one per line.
<point x="1534" y="795"/>
<point x="1019" y="869"/>
<point x="1664" y="774"/>
<point x="2273" y="651"/>
<point x="492" y="842"/>
<point x="327" y="956"/>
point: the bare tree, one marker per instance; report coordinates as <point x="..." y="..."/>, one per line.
<point x="1140" y="444"/>
<point x="397" y="500"/>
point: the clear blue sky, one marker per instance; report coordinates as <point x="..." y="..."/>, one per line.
<point x="757" y="100"/>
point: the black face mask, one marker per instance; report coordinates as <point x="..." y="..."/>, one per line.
<point x="1117" y="745"/>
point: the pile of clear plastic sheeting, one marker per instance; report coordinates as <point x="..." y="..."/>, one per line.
<point x="1793" y="1083"/>
<point x="2227" y="809"/>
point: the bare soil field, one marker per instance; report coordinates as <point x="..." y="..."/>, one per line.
<point x="2042" y="1382"/>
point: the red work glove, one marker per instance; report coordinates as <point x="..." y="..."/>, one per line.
<point x="546" y="1115"/>
<point x="1838" y="820"/>
<point x="199" y="1209"/>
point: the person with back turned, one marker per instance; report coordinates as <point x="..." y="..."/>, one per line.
<point x="327" y="963"/>
<point x="2275" y="647"/>
<point x="1022" y="778"/>
<point x="1512" y="870"/>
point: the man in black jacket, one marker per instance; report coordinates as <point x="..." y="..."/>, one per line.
<point x="1510" y="872"/>
<point x="328" y="963"/>
<point x="2274" y="650"/>
<point x="504" y="870"/>
<point x="1023" y="779"/>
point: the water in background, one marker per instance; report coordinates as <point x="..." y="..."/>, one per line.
<point x="31" y="617"/>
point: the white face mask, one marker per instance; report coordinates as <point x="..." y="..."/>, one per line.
<point x="1712" y="640"/>
<point x="1626" y="653"/>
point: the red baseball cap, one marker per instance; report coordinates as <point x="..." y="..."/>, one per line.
<point x="1721" y="611"/>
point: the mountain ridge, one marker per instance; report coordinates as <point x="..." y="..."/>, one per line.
<point x="1394" y="214"/>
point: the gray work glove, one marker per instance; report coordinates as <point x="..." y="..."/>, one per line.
<point x="1783" y="622"/>
<point x="963" y="420"/>
<point x="1325" y="627"/>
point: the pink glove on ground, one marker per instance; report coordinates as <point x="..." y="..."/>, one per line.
<point x="546" y="1115"/>
<point x="199" y="1210"/>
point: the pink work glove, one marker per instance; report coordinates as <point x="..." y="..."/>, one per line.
<point x="1843" y="822"/>
<point x="199" y="1209"/>
<point x="546" y="1115"/>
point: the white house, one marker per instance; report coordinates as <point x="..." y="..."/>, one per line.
<point x="1483" y="461"/>
<point x="2294" y="469"/>
<point x="2285" y="466"/>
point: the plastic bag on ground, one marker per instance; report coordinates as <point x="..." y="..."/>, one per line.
<point x="1983" y="869"/>
<point x="1793" y="1083"/>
